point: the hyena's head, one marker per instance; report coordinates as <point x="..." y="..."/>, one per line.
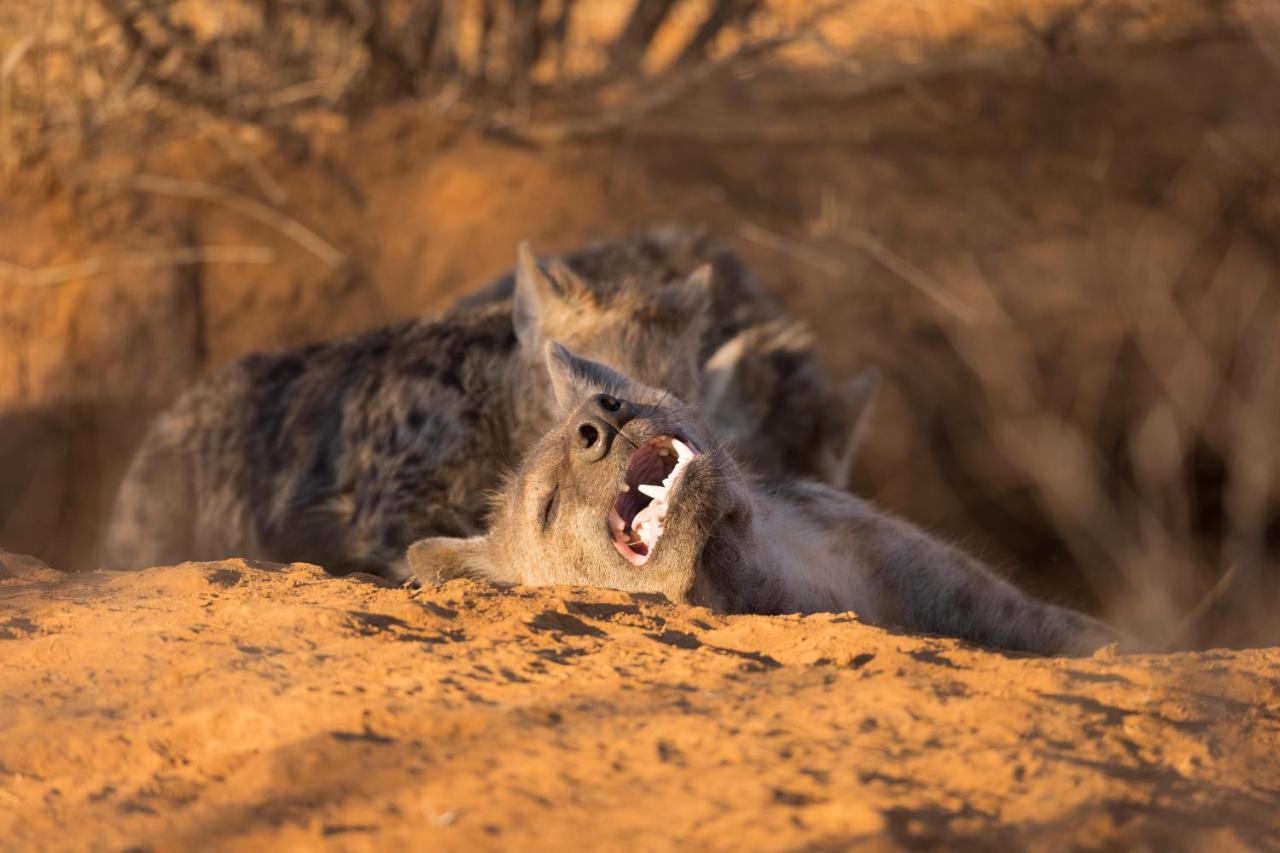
<point x="650" y="331"/>
<point x="628" y="491"/>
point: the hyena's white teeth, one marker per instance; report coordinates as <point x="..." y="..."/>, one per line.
<point x="638" y="518"/>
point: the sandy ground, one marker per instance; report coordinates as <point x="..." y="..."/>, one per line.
<point x="249" y="705"/>
<point x="238" y="704"/>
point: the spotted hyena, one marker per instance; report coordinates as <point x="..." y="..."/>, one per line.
<point x="630" y="491"/>
<point x="763" y="386"/>
<point x="341" y="453"/>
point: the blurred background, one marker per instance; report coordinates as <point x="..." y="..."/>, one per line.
<point x="1055" y="227"/>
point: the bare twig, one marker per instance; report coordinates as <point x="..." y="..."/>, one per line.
<point x="794" y="248"/>
<point x="143" y="259"/>
<point x="675" y="87"/>
<point x="269" y="216"/>
<point x="238" y="151"/>
<point x="909" y="272"/>
<point x="675" y="84"/>
<point x="629" y="48"/>
<point x="723" y="13"/>
<point x="1180" y="632"/>
<point x="14" y="55"/>
<point x="860" y="83"/>
<point x="8" y="152"/>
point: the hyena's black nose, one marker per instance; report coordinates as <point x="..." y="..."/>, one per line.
<point x="598" y="422"/>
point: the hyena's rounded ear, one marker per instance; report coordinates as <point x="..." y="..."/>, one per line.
<point x="690" y="299"/>
<point x="857" y="399"/>
<point x="740" y="379"/>
<point x="698" y="287"/>
<point x="574" y="378"/>
<point x="730" y="401"/>
<point x="542" y="287"/>
<point x="442" y="558"/>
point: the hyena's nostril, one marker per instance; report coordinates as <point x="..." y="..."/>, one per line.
<point x="609" y="409"/>
<point x="593" y="437"/>
<point x="600" y="418"/>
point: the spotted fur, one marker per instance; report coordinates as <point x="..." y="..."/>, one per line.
<point x="342" y="453"/>
<point x="734" y="542"/>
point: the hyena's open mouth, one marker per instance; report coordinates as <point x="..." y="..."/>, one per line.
<point x="638" y="517"/>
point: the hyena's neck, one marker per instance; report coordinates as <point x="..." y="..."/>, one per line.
<point x="787" y="558"/>
<point x="800" y="544"/>
<point x="526" y="405"/>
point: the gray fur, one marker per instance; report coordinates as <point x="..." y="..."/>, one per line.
<point x="766" y="397"/>
<point x="733" y="542"/>
<point x="344" y="452"/>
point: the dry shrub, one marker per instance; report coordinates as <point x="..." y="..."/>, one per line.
<point x="67" y="67"/>
<point x="1132" y="424"/>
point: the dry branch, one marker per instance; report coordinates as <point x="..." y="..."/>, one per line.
<point x="143" y="259"/>
<point x="248" y="161"/>
<point x="659" y="95"/>
<point x="793" y="248"/>
<point x="9" y="156"/>
<point x="910" y="273"/>
<point x="269" y="216"/>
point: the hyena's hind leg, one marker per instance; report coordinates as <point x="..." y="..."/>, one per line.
<point x="977" y="605"/>
<point x="926" y="585"/>
<point x="153" y="519"/>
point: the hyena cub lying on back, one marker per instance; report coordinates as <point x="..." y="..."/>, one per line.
<point x="631" y="492"/>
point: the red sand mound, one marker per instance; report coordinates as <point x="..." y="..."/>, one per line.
<point x="248" y="704"/>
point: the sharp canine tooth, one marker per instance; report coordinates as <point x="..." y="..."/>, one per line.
<point x="683" y="451"/>
<point x="656" y="492"/>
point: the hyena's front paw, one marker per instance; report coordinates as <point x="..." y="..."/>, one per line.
<point x="438" y="559"/>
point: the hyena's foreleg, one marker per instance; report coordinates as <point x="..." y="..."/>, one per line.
<point x="154" y="513"/>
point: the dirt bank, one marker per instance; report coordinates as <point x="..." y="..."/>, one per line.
<point x="248" y="705"/>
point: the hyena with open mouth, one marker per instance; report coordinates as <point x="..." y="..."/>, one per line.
<point x="764" y="394"/>
<point x="631" y="492"/>
<point x="344" y="452"/>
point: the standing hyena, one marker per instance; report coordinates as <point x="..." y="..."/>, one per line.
<point x="342" y="453"/>
<point x="631" y="492"/>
